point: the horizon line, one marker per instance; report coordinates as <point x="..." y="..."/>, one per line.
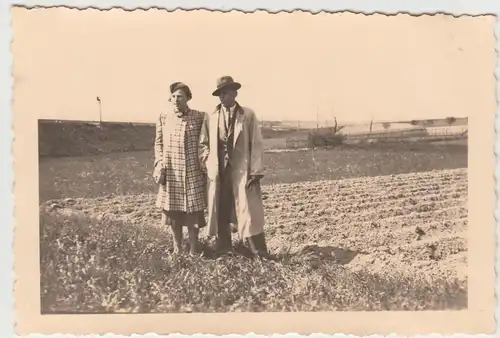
<point x="321" y="121"/>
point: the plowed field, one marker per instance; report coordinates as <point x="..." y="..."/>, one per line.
<point x="379" y="243"/>
<point x="413" y="223"/>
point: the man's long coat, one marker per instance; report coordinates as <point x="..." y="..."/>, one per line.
<point x="247" y="159"/>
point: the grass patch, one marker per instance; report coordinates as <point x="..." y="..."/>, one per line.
<point x="91" y="265"/>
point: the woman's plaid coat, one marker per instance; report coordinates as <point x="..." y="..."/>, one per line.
<point x="176" y="149"/>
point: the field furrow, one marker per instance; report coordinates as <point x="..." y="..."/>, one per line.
<point x="412" y="223"/>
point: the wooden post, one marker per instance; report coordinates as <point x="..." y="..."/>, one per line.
<point x="317" y="118"/>
<point x="100" y="109"/>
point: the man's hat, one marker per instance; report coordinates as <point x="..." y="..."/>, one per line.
<point x="225" y="82"/>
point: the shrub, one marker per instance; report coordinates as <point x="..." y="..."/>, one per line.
<point x="451" y="120"/>
<point x="325" y="138"/>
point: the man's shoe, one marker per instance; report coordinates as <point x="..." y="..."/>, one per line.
<point x="222" y="246"/>
<point x="258" y="245"/>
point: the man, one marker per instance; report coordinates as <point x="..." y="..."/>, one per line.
<point x="231" y="150"/>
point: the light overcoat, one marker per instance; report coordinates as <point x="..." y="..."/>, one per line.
<point x="246" y="160"/>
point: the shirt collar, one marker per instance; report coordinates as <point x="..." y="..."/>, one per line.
<point x="231" y="107"/>
<point x="181" y="114"/>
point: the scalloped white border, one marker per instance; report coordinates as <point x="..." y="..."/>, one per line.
<point x="385" y="7"/>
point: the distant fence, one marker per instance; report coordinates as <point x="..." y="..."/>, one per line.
<point x="423" y="134"/>
<point x="412" y="133"/>
<point x="390" y="134"/>
<point x="446" y="131"/>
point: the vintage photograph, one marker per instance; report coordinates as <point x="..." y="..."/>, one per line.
<point x="198" y="162"/>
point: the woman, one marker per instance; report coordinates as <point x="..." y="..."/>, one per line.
<point x="177" y="170"/>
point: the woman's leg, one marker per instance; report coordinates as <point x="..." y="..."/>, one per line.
<point x="193" y="224"/>
<point x="175" y="222"/>
<point x="176" y="236"/>
<point x="193" y="239"/>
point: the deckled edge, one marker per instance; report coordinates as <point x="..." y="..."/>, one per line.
<point x="256" y="10"/>
<point x="497" y="168"/>
<point x="8" y="133"/>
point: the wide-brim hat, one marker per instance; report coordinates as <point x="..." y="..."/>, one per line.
<point x="225" y="82"/>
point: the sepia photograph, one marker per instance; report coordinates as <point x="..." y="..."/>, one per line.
<point x="210" y="163"/>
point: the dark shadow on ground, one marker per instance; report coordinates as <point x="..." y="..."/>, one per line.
<point x="323" y="253"/>
<point x="313" y="254"/>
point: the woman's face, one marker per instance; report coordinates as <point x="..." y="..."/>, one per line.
<point x="179" y="100"/>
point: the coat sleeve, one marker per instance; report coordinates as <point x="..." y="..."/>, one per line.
<point x="204" y="144"/>
<point x="158" y="147"/>
<point x="256" y="147"/>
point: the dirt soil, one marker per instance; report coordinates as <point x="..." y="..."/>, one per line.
<point x="412" y="223"/>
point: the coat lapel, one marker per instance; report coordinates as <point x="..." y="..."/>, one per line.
<point x="238" y="123"/>
<point x="214" y="125"/>
<point x="214" y="132"/>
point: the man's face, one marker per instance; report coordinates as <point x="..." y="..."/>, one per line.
<point x="227" y="97"/>
<point x="179" y="100"/>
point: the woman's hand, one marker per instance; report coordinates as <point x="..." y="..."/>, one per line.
<point x="159" y="173"/>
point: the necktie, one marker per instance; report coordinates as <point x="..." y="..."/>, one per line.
<point x="228" y="118"/>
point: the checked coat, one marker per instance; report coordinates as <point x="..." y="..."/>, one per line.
<point x="176" y="148"/>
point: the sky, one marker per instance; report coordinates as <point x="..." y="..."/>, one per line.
<point x="291" y="66"/>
